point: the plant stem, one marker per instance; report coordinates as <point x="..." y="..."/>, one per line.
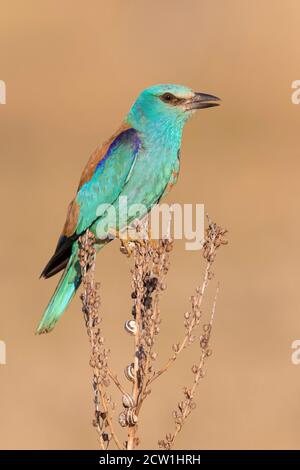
<point x="184" y="342"/>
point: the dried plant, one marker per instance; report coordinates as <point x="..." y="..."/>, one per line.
<point x="149" y="271"/>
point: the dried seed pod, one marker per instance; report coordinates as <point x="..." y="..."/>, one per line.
<point x="207" y="327"/>
<point x="106" y="437"/>
<point x="129" y="372"/>
<point x="128" y="401"/>
<point x="169" y="246"/>
<point x="130" y="327"/>
<point x="123" y="419"/>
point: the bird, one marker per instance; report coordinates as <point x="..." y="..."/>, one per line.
<point x="140" y="162"/>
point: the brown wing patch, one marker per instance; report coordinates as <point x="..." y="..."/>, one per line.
<point x="72" y="218"/>
<point x="98" y="155"/>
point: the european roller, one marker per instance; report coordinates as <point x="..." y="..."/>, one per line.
<point x="139" y="162"/>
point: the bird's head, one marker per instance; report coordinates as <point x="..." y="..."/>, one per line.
<point x="168" y="105"/>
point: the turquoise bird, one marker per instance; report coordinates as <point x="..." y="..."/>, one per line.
<point x="139" y="162"/>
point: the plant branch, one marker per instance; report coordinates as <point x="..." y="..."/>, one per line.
<point x="213" y="240"/>
<point x="185" y="407"/>
<point x="99" y="355"/>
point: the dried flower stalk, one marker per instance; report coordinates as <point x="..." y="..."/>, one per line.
<point x="151" y="263"/>
<point x="99" y="355"/>
<point x="150" y="267"/>
<point x="213" y="240"/>
<point x="186" y="406"/>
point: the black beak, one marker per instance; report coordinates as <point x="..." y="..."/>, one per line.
<point x="202" y="101"/>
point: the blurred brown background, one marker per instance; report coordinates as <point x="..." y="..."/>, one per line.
<point x="72" y="71"/>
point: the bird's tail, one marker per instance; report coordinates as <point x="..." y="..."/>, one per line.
<point x="65" y="291"/>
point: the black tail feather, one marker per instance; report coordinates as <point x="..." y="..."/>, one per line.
<point x="60" y="258"/>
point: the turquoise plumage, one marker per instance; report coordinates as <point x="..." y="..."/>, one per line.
<point x="139" y="162"/>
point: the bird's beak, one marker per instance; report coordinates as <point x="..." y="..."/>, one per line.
<point x="201" y="101"/>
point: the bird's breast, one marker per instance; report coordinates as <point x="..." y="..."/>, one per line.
<point x="154" y="168"/>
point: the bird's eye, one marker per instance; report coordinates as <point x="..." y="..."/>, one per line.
<point x="168" y="98"/>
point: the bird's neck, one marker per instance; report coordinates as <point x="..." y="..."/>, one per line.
<point x="161" y="132"/>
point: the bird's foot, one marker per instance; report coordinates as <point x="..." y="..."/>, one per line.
<point x="134" y="235"/>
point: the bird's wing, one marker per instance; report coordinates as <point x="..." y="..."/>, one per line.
<point x="101" y="182"/>
<point x="104" y="179"/>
